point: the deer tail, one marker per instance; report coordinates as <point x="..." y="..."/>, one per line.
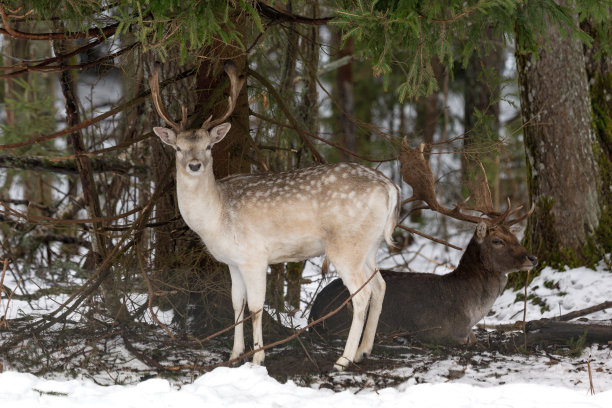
<point x="392" y="213"/>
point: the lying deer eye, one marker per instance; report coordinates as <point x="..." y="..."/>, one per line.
<point x="498" y="242"/>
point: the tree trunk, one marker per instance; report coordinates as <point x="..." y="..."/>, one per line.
<point x="563" y="179"/>
<point x="346" y="99"/>
<point x="599" y="75"/>
<point x="481" y="118"/>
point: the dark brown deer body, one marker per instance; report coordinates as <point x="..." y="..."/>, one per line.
<point x="438" y="308"/>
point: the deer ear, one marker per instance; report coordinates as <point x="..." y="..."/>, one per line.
<point x="218" y="132"/>
<point x="166" y="135"/>
<point x="481" y="232"/>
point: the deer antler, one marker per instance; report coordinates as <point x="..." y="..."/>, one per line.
<point x="416" y="171"/>
<point x="157" y="101"/>
<point x="236" y="83"/>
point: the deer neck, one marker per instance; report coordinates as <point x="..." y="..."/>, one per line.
<point x="199" y="201"/>
<point x="478" y="285"/>
<point x="476" y="277"/>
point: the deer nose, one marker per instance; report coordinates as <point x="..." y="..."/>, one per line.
<point x="195" y="166"/>
<point x="533" y="259"/>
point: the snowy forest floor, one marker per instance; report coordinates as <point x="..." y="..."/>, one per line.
<point x="111" y="355"/>
<point x="119" y="356"/>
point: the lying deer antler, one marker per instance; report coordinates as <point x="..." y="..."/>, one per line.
<point x="416" y="172"/>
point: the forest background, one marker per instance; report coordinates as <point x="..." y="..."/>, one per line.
<point x="87" y="202"/>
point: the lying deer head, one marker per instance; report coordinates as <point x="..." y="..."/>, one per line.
<point x="500" y="250"/>
<point x="193" y="147"/>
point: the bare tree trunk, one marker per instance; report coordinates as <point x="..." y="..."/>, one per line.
<point x="481" y="118"/>
<point x="345" y="87"/>
<point x="563" y="178"/>
<point x="599" y="77"/>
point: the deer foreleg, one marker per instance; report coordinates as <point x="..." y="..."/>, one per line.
<point x="239" y="305"/>
<point x="255" y="282"/>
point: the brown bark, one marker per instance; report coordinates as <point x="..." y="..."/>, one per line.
<point x="482" y="94"/>
<point x="546" y="331"/>
<point x="346" y="100"/>
<point x="563" y="180"/>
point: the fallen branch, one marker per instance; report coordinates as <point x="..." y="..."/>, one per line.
<point x="41" y="163"/>
<point x="585" y="311"/>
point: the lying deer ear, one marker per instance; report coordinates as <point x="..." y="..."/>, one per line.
<point x="218" y="132"/>
<point x="481" y="231"/>
<point x="166" y="135"/>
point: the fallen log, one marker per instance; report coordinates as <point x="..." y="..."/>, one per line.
<point x="546" y="331"/>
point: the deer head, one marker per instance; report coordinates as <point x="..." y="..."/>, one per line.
<point x="193" y="147"/>
<point x="500" y="251"/>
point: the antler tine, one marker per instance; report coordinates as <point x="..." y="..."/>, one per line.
<point x="522" y="217"/>
<point x="236" y="83"/>
<point x="159" y="106"/>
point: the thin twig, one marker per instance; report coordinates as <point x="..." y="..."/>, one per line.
<point x="439" y="241"/>
<point x="525" y="310"/>
<point x="591" y="388"/>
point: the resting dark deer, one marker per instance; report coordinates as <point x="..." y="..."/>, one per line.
<point x="442" y="308"/>
<point x="438" y="308"/>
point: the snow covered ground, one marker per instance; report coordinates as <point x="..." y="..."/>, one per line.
<point x="250" y="386"/>
<point x="484" y="378"/>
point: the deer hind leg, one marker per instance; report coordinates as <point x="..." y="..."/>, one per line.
<point x="376" y="302"/>
<point x="351" y="273"/>
<point x="254" y="278"/>
<point x="239" y="305"/>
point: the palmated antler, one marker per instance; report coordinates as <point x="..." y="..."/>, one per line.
<point x="159" y="106"/>
<point x="416" y="171"/>
<point x="236" y="83"/>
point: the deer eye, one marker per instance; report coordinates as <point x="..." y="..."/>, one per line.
<point x="178" y="149"/>
<point x="497" y="241"/>
<point x="208" y="147"/>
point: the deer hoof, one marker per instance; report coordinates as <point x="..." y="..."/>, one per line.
<point x="258" y="358"/>
<point x="341" y="364"/>
<point x="360" y="356"/>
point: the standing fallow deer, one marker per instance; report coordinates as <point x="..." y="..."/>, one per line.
<point x="250" y="221"/>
